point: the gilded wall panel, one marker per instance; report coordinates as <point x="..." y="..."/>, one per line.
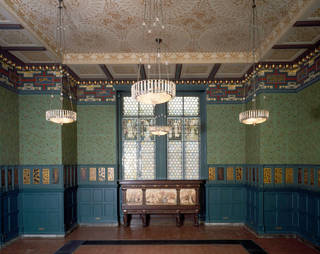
<point x="289" y="175"/>
<point x="26" y="176"/>
<point x="110" y="174"/>
<point x="278" y="175"/>
<point x="305" y="176"/>
<point x="230" y="174"/>
<point x="267" y="175"/>
<point x="92" y="174"/>
<point x="238" y="174"/>
<point x="212" y="174"/>
<point x="36" y="176"/>
<point x="45" y="176"/>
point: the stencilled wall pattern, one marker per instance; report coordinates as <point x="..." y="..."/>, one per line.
<point x="9" y="127"/>
<point x="96" y="134"/>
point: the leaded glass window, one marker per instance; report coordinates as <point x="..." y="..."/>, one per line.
<point x="174" y="156"/>
<point x="138" y="145"/>
<point x="183" y="141"/>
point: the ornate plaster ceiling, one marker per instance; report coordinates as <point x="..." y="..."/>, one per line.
<point x="198" y="31"/>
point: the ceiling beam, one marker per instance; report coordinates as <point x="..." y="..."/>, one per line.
<point x="106" y="71"/>
<point x="307" y="23"/>
<point x="143" y="74"/>
<point x="293" y="46"/>
<point x="24" y="48"/>
<point x="178" y="71"/>
<point x="214" y="71"/>
<point x="11" y="27"/>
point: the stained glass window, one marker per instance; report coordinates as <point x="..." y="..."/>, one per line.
<point x="138" y="145"/>
<point x="183" y="141"/>
<point x="181" y="147"/>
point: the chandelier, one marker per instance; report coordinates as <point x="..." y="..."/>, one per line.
<point x="254" y="116"/>
<point x="158" y="90"/>
<point x="61" y="116"/>
<point x="159" y="130"/>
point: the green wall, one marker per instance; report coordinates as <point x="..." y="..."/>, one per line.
<point x="96" y="134"/>
<point x="9" y="127"/>
<point x="40" y="140"/>
<point x="292" y="133"/>
<point x="308" y="118"/>
<point x="225" y="134"/>
<point x="69" y="139"/>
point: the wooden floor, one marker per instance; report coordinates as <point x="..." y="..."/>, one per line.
<point x="157" y="232"/>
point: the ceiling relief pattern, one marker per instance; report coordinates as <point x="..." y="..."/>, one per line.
<point x="198" y="31"/>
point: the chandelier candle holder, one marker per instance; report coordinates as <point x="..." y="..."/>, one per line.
<point x="254" y="116"/>
<point x="153" y="91"/>
<point x="61" y="116"/>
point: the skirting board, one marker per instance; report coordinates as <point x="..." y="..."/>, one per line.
<point x="43" y="236"/>
<point x="224" y="224"/>
<point x="98" y="224"/>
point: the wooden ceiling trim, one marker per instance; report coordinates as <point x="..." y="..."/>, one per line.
<point x="11" y="27"/>
<point x="106" y="71"/>
<point x="214" y="71"/>
<point x="178" y="71"/>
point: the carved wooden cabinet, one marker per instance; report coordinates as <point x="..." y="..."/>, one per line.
<point x="147" y="197"/>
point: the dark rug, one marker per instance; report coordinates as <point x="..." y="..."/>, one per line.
<point x="250" y="246"/>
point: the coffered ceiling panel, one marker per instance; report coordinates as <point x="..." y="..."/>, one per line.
<point x="123" y="71"/>
<point x="315" y="14"/>
<point x="301" y="35"/>
<point x="17" y="38"/>
<point x="196" y="70"/>
<point x="35" y="57"/>
<point x="193" y="27"/>
<point x="88" y="71"/>
<point x="276" y="55"/>
<point x="232" y="70"/>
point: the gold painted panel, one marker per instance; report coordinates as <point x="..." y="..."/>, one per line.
<point x="305" y="176"/>
<point x="312" y="176"/>
<point x="92" y="174"/>
<point x="212" y="174"/>
<point x="230" y="174"/>
<point x="289" y="175"/>
<point x="250" y="178"/>
<point x="278" y="175"/>
<point x="110" y="174"/>
<point x="161" y="196"/>
<point x="36" y="176"/>
<point x="26" y="176"/>
<point x="101" y="174"/>
<point x="45" y="176"/>
<point x="238" y="174"/>
<point x="188" y="197"/>
<point x="55" y="176"/>
<point x="134" y="197"/>
<point x="318" y="177"/>
<point x="267" y="175"/>
<point x="253" y="175"/>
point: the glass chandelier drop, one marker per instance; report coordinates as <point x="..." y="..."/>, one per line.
<point x="254" y="116"/>
<point x="61" y="116"/>
<point x="158" y="90"/>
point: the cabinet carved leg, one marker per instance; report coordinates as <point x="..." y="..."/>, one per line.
<point x="126" y="219"/>
<point x="179" y="219"/>
<point x="196" y="220"/>
<point x="144" y="218"/>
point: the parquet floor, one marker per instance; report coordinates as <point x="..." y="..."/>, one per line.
<point x="165" y="231"/>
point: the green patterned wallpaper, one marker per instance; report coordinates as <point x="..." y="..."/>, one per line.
<point x="69" y="139"/>
<point x="96" y="134"/>
<point x="9" y="127"/>
<point x="225" y="134"/>
<point x="308" y="118"/>
<point x="252" y="135"/>
<point x="278" y="136"/>
<point x="40" y="140"/>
